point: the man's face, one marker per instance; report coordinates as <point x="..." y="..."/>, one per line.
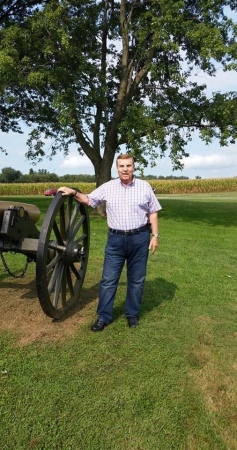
<point x="125" y="169"/>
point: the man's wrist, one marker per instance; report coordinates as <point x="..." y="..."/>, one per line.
<point x="156" y="235"/>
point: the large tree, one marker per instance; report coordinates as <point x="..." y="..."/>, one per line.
<point x="10" y="10"/>
<point x="108" y="74"/>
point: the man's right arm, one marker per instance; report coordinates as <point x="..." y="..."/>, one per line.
<point x="79" y="197"/>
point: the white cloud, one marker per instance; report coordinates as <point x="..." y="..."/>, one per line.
<point x="76" y="162"/>
<point x="222" y="159"/>
<point x="222" y="82"/>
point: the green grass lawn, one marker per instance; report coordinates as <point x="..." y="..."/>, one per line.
<point x="169" y="384"/>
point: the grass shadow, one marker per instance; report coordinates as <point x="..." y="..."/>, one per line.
<point x="86" y="297"/>
<point x="28" y="287"/>
<point x="211" y="212"/>
<point x="156" y="292"/>
<point x="25" y="289"/>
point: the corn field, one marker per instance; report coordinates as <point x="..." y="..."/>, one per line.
<point x="194" y="186"/>
<point x="161" y="187"/>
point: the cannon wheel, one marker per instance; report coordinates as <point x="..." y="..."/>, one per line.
<point x="62" y="256"/>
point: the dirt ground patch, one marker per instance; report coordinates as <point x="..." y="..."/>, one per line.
<point x="22" y="315"/>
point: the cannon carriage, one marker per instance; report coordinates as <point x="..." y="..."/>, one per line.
<point x="60" y="249"/>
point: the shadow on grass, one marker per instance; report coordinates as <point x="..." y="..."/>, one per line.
<point x="87" y="296"/>
<point x="212" y="213"/>
<point x="26" y="290"/>
<point x="156" y="292"/>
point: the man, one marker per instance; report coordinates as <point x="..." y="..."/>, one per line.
<point x="130" y="205"/>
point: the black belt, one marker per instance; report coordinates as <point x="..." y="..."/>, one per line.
<point x="129" y="232"/>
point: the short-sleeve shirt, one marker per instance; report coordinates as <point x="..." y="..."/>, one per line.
<point x="127" y="206"/>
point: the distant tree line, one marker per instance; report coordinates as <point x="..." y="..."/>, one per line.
<point x="161" y="177"/>
<point x="10" y="175"/>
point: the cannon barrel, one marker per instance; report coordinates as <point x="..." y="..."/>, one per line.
<point x="33" y="210"/>
<point x="16" y="222"/>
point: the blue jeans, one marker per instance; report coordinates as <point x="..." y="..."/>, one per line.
<point x="120" y="248"/>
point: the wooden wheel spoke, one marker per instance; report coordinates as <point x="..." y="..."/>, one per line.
<point x="63" y="288"/>
<point x="69" y="281"/>
<point x="75" y="271"/>
<point x="73" y="219"/>
<point x="81" y="238"/>
<point x="54" y="276"/>
<point x="77" y="227"/>
<point x="58" y="286"/>
<point x="62" y="221"/>
<point x="52" y="263"/>
<point x="68" y="214"/>
<point x="57" y="233"/>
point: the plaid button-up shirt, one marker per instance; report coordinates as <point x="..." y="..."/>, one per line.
<point x="127" y="206"/>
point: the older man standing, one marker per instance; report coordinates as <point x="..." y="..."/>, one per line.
<point x="130" y="204"/>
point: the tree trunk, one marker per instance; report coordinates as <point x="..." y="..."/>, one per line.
<point x="104" y="165"/>
<point x="102" y="173"/>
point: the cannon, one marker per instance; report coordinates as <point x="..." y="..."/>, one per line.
<point x="60" y="250"/>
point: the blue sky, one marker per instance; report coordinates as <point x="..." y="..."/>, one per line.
<point x="210" y="161"/>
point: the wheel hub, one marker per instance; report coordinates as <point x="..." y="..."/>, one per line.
<point x="73" y="253"/>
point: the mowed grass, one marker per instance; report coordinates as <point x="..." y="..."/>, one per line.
<point x="169" y="384"/>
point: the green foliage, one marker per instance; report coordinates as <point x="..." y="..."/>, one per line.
<point x="12" y="9"/>
<point x="161" y="177"/>
<point x="10" y="175"/>
<point x="82" y="178"/>
<point x="38" y="177"/>
<point x="105" y="75"/>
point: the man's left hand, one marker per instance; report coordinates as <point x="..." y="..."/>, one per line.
<point x="154" y="243"/>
